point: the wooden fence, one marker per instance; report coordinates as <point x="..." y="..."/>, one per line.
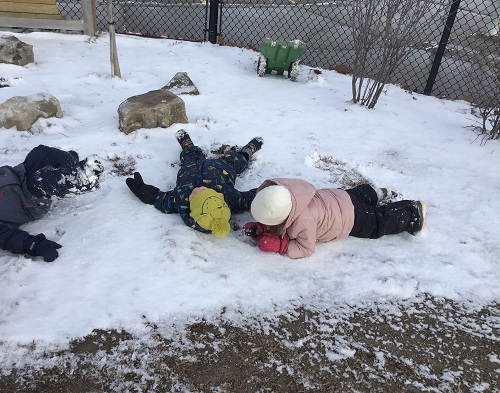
<point x="44" y="14"/>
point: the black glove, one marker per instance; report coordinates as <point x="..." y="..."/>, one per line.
<point x="144" y="192"/>
<point x="40" y="246"/>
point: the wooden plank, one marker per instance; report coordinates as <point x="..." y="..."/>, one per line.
<point x="53" y="21"/>
<point x="31" y="16"/>
<point x="30" y="8"/>
<point x="76" y="25"/>
<point x="30" y="2"/>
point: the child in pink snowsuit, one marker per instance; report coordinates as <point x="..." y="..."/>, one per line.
<point x="292" y="215"/>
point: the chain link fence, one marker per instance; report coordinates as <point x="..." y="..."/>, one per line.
<point x="468" y="69"/>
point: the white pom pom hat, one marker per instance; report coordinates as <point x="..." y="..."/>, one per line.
<point x="271" y="205"/>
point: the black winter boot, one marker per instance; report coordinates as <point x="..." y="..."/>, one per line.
<point x="253" y="146"/>
<point x="74" y="154"/>
<point x="183" y="138"/>
<point x="421" y="222"/>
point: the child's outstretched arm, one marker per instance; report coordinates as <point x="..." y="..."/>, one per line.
<point x="18" y="241"/>
<point x="269" y="242"/>
<point x="12" y="238"/>
<point x="238" y="201"/>
<point x="145" y="192"/>
<point x="297" y="245"/>
<point x="165" y="202"/>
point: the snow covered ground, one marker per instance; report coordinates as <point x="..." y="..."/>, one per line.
<point x="123" y="261"/>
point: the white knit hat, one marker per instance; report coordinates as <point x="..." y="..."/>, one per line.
<point x="272" y="205"/>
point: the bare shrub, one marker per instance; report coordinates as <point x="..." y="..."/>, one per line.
<point x="483" y="70"/>
<point x="384" y="32"/>
<point x="490" y="121"/>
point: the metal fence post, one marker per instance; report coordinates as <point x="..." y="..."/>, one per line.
<point x="442" y="46"/>
<point x="213" y="21"/>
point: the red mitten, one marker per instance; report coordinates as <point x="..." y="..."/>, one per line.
<point x="254" y="229"/>
<point x="273" y="243"/>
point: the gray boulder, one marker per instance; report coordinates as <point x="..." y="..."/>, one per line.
<point x="22" y="112"/>
<point x="181" y="83"/>
<point x="14" y="51"/>
<point x="156" y="108"/>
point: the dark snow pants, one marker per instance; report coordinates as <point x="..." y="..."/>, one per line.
<point x="50" y="172"/>
<point x="372" y="221"/>
<point x="231" y="165"/>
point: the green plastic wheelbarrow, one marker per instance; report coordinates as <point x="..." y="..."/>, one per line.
<point x="278" y="56"/>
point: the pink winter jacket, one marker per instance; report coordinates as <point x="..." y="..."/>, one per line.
<point x="317" y="215"/>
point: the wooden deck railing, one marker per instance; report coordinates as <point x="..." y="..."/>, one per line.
<point x="44" y="14"/>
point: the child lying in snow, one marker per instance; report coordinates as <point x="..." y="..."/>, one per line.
<point x="204" y="195"/>
<point x="26" y="193"/>
<point x="293" y="215"/>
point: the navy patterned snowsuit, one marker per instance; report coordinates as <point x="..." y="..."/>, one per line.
<point x="217" y="174"/>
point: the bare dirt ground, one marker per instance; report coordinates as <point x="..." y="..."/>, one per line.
<point x="431" y="345"/>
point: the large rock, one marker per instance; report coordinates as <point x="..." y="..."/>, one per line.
<point x="22" y="112"/>
<point x="14" y="51"/>
<point x="181" y="83"/>
<point x="156" y="108"/>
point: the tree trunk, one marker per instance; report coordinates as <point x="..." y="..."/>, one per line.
<point x="115" y="66"/>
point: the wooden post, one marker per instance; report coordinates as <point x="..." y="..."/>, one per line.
<point x="89" y="17"/>
<point x="115" y="66"/>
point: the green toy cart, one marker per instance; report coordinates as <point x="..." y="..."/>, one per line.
<point x="278" y="56"/>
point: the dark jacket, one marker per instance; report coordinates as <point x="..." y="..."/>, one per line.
<point x="17" y="206"/>
<point x="26" y="191"/>
<point x="217" y="174"/>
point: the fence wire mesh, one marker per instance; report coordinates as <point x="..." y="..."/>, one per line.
<point x="470" y="67"/>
